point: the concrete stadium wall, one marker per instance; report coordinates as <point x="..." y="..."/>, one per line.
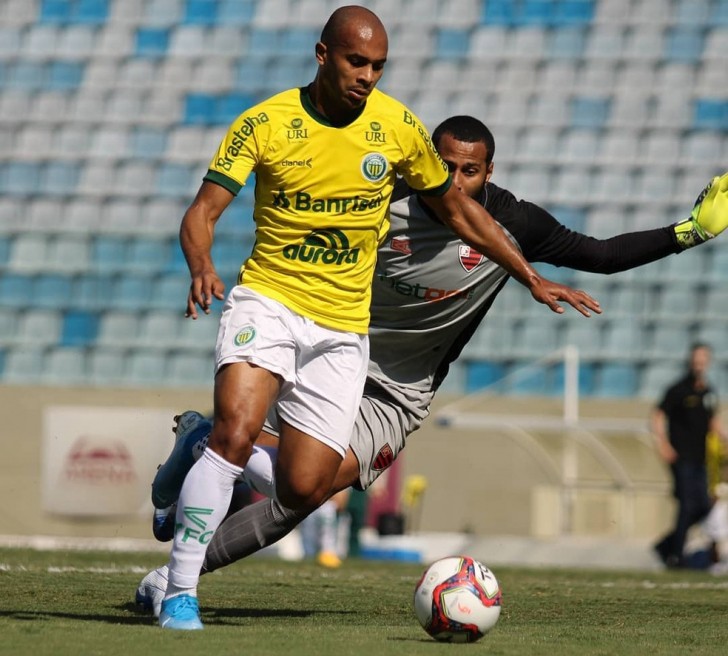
<point x="478" y="481"/>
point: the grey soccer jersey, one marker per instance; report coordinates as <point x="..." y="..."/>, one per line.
<point x="431" y="291"/>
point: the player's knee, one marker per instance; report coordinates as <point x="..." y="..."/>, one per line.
<point x="232" y="441"/>
<point x="301" y="495"/>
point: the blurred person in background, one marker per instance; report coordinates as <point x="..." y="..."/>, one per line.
<point x="681" y="423"/>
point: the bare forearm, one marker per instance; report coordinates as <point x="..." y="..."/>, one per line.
<point x="196" y="236"/>
<point x="476" y="227"/>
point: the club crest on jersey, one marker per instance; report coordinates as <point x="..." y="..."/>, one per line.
<point x="384" y="458"/>
<point x="245" y="335"/>
<point x="469" y="257"/>
<point x="374" y="166"/>
<point x="401" y="245"/>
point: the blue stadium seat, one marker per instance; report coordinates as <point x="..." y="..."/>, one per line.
<point x="108" y="254"/>
<point x="39" y="327"/>
<point x="527" y="382"/>
<point x="159" y="330"/>
<point x="498" y="12"/>
<point x="65" y="76"/>
<point x="657" y="376"/>
<point x="534" y="13"/>
<point x="60" y="178"/>
<point x="252" y="74"/>
<point x="236" y="12"/>
<point x="483" y="374"/>
<point x="719" y="13"/>
<point x="573" y="12"/>
<point x="55" y="11"/>
<point x="616" y="380"/>
<point x="147" y="142"/>
<point x="452" y="44"/>
<point x="8" y="326"/>
<point x="52" y="291"/>
<point x="622" y="339"/>
<point x="227" y="256"/>
<point x="685" y="44"/>
<point x="693" y="12"/>
<point x="199" y="109"/>
<point x="90" y="12"/>
<point x="298" y="42"/>
<point x="2" y="363"/>
<point x="79" y="328"/>
<point x="4" y="251"/>
<point x="229" y="106"/>
<point x="719" y="266"/>
<point x="710" y="113"/>
<point x="200" y="12"/>
<point x="585" y="379"/>
<point x="27" y="76"/>
<point x="152" y="42"/>
<point x="93" y="292"/>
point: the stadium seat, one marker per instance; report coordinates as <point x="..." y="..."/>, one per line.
<point x="452" y="44"/>
<point x="68" y="254"/>
<point x="488" y="42"/>
<point x="523" y="381"/>
<point x="76" y="42"/>
<point x="479" y="375"/>
<point x="115" y="40"/>
<point x="162" y="217"/>
<point x="197" y="335"/>
<point x="674" y="301"/>
<point x="118" y="329"/>
<point x="90" y="12"/>
<point x="532" y="182"/>
<point x="174" y="180"/>
<point x="170" y="292"/>
<point x="549" y="110"/>
<point x="516" y="76"/>
<point x="719" y="266"/>
<point x="719" y="13"/>
<point x="590" y="112"/>
<point x="23" y="365"/>
<point x="132" y="292"/>
<point x="672" y="110"/>
<point x="8" y="326"/>
<point x="110" y="143"/>
<point x="566" y="43"/>
<point x="147" y="255"/>
<point x="581" y="146"/>
<point x="200" y="12"/>
<point x="147" y="143"/>
<point x="684" y="44"/>
<point x="669" y="341"/>
<point x="52" y="291"/>
<point x="64" y="366"/>
<point x="39" y="328"/>
<point x="105" y="367"/>
<point x="159" y="330"/>
<point x="92" y="292"/>
<point x="701" y="147"/>
<point x="596" y="76"/>
<point x="605" y="42"/>
<point x="658" y="376"/>
<point x="572" y="185"/>
<point x="152" y="42"/>
<point x="616" y="381"/>
<point x="146" y="369"/>
<point x="188" y="370"/>
<point x="621" y="339"/>
<point x="526" y="43"/>
<point x="162" y="13"/>
<point x="79" y="328"/>
<point x="557" y="75"/>
<point x="134" y="179"/>
<point x="119" y="217"/>
<point x="613" y="186"/>
<point x="28" y="253"/>
<point x="236" y="12"/>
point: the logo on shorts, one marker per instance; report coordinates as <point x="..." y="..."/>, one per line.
<point x="245" y="335"/>
<point x="374" y="167"/>
<point x="384" y="458"/>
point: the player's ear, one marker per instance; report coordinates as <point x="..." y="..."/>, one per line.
<point x="321" y="53"/>
<point x="489" y="172"/>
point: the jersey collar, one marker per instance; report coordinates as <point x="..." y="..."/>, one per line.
<point x="319" y="117"/>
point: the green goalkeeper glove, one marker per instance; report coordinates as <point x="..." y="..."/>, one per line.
<point x="709" y="216"/>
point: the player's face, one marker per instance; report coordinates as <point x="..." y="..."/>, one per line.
<point x="467" y="162"/>
<point x="700" y="362"/>
<point x="351" y="68"/>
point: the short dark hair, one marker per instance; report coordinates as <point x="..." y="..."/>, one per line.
<point x="700" y="345"/>
<point x="467" y="129"/>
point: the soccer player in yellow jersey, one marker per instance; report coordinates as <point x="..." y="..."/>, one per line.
<point x="292" y="336"/>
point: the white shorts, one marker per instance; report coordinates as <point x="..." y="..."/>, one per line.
<point x="322" y="370"/>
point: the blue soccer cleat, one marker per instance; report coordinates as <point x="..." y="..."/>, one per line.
<point x="193" y="431"/>
<point x="181" y="613"/>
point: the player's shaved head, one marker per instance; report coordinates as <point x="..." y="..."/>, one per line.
<point x="350" y="22"/>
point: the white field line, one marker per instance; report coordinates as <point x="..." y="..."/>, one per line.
<point x="49" y="543"/>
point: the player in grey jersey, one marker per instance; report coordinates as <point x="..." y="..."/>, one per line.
<point x="430" y="292"/>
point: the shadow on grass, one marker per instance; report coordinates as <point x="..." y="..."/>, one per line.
<point x="142" y="617"/>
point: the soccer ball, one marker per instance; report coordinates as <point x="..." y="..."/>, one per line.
<point x="457" y="600"/>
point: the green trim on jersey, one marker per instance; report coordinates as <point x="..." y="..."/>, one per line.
<point x="224" y="181"/>
<point x="319" y="117"/>
<point x="437" y="191"/>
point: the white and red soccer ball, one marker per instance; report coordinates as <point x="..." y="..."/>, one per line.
<point x="457" y="599"/>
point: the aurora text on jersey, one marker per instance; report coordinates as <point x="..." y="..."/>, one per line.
<point x="322" y="198"/>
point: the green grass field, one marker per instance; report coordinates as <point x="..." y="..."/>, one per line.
<point x="82" y="603"/>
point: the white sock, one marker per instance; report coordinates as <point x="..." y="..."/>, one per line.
<point x="260" y="471"/>
<point x="327" y="518"/>
<point x="203" y="504"/>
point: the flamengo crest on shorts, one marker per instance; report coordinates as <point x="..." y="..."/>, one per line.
<point x="384" y="458"/>
<point x="245" y="335"/>
<point x="469" y="257"/>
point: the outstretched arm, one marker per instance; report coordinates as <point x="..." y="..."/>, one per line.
<point x="196" y="235"/>
<point x="474" y="225"/>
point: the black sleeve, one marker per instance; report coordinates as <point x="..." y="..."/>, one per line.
<point x="543" y="239"/>
<point x="669" y="401"/>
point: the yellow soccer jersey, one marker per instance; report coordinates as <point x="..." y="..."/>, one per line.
<point x="322" y="198"/>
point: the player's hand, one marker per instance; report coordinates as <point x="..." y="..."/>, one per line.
<point x="204" y="287"/>
<point x="709" y="216"/>
<point x="667" y="452"/>
<point x="548" y="292"/>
